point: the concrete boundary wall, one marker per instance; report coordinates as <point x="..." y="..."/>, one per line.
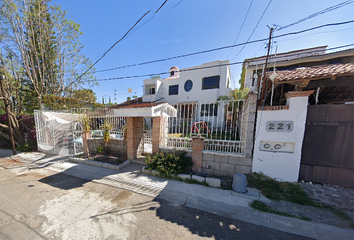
<point x="114" y="145"/>
<point x="279" y="137"/>
<point x="218" y="164"/>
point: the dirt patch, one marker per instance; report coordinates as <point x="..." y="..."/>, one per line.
<point x="33" y="175"/>
<point x="10" y="162"/>
<point x="106" y="158"/>
<point x="123" y="195"/>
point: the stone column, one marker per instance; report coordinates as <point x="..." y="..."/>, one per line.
<point x="197" y="153"/>
<point x="131" y="138"/>
<point x="157" y="132"/>
<point x="248" y="123"/>
<point x="135" y="136"/>
<point x="140" y="135"/>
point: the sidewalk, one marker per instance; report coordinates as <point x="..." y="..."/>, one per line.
<point x="222" y="202"/>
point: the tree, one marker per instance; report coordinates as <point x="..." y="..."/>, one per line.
<point x="129" y="98"/>
<point x="45" y="44"/>
<point x="135" y="97"/>
<point x="85" y="94"/>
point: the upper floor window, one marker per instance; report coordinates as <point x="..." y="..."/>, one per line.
<point x="172" y="73"/>
<point x="211" y="82"/>
<point x="152" y="91"/>
<point x="173" y="90"/>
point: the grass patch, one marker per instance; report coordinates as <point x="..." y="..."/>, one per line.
<point x="193" y="181"/>
<point x="260" y="206"/>
<point x="275" y="190"/>
<point x="176" y="178"/>
<point x="290" y="192"/>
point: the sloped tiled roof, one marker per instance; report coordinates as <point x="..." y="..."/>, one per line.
<point x="135" y="103"/>
<point x="317" y="72"/>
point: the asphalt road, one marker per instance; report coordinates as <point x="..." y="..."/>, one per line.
<point x="43" y="204"/>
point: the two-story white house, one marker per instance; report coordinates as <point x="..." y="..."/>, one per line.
<point x="204" y="83"/>
<point x="193" y="90"/>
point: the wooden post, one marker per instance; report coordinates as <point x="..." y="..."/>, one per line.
<point x="265" y="80"/>
<point x="7" y="105"/>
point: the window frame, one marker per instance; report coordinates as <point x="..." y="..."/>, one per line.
<point x="174" y="93"/>
<point x="210" y="87"/>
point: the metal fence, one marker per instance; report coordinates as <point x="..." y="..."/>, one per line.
<point x="219" y="122"/>
<point x="60" y="132"/>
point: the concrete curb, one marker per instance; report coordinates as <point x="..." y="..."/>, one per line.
<point x="100" y="164"/>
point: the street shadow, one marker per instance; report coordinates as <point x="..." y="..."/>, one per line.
<point x="201" y="223"/>
<point x="135" y="208"/>
<point x="63" y="181"/>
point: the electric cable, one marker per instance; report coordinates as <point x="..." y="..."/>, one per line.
<point x="225" y="47"/>
<point x="177" y="4"/>
<point x="199" y="68"/>
<point x="113" y="45"/>
<point x="243" y="22"/>
<point x="318" y="13"/>
<point x="254" y="29"/>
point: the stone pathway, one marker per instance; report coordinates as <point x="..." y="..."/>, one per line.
<point x="339" y="197"/>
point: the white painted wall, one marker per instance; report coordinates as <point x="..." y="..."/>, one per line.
<point x="282" y="59"/>
<point x="280" y="165"/>
<point x="196" y="93"/>
<point x="147" y="97"/>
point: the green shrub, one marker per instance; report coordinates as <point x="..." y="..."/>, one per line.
<point x="100" y="149"/>
<point x="169" y="163"/>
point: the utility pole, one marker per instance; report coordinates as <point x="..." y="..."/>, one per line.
<point x="265" y="80"/>
<point x="7" y="105"/>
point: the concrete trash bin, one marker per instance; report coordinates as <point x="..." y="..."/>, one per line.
<point x="239" y="183"/>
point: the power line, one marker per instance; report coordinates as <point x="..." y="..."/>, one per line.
<point x="177" y="4"/>
<point x="341" y="30"/>
<point x="254" y="29"/>
<point x="219" y="65"/>
<point x="154" y="74"/>
<point x="161" y="6"/>
<point x="114" y="45"/>
<point x="221" y="48"/>
<point x="225" y="47"/>
<point x="238" y="34"/>
<point x="318" y="13"/>
<point x="299" y="54"/>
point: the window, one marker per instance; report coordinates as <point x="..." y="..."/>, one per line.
<point x="211" y="82"/>
<point x="173" y="90"/>
<point x="152" y="91"/>
<point x="188" y="85"/>
<point x="172" y="73"/>
<point x="209" y="110"/>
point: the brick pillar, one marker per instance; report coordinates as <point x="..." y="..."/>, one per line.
<point x="197" y="153"/>
<point x="135" y="136"/>
<point x="140" y="135"/>
<point x="157" y="128"/>
<point x="131" y="138"/>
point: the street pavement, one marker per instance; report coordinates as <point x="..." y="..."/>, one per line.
<point x="201" y="211"/>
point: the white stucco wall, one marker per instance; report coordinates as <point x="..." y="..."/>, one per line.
<point x="196" y="76"/>
<point x="283" y="166"/>
<point x="282" y="59"/>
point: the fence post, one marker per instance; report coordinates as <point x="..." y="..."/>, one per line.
<point x="197" y="153"/>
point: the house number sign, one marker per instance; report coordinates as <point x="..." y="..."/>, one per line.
<point x="280" y="126"/>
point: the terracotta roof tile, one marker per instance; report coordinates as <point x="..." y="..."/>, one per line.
<point x="135" y="103"/>
<point x="317" y="72"/>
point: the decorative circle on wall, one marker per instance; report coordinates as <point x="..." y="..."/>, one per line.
<point x="188" y="85"/>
